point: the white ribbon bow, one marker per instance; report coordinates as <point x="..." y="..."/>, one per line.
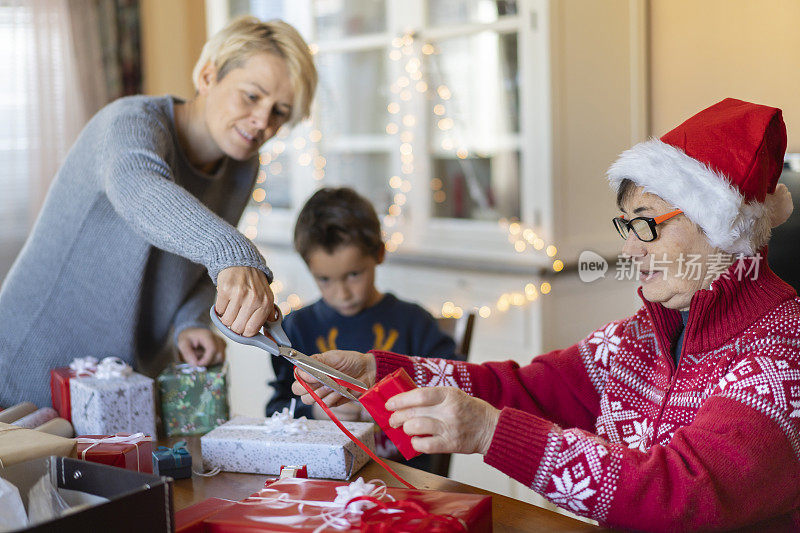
<point x="280" y="422"/>
<point x="185" y="368"/>
<point x="83" y="366"/>
<point x="285" y="422"/>
<point x="112" y="367"/>
<point x="334" y="514"/>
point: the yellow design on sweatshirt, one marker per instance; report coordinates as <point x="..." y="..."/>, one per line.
<point x="331" y="342"/>
<point x="382" y="341"/>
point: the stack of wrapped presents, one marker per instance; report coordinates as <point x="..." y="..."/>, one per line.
<point x="92" y="460"/>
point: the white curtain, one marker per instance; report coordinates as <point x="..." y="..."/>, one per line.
<point x="52" y="82"/>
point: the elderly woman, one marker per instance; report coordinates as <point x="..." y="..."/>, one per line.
<point x="138" y="226"/>
<point x="683" y="416"/>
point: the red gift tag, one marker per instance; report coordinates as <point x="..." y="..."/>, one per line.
<point x="374" y="401"/>
<point x="293" y="471"/>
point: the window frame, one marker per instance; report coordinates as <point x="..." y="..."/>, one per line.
<point x="448" y="240"/>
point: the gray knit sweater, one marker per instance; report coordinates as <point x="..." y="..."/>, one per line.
<point x="121" y="248"/>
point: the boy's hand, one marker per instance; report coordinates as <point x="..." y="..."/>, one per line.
<point x="244" y="299"/>
<point x="355" y="364"/>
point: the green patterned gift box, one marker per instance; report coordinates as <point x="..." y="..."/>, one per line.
<point x="194" y="400"/>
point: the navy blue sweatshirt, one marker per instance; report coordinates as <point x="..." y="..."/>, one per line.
<point x="391" y="325"/>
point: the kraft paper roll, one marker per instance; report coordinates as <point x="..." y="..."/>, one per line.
<point x="16" y="412"/>
<point x="57" y="426"/>
<point x="36" y="418"/>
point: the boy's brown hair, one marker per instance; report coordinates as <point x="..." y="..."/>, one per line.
<point x="335" y="217"/>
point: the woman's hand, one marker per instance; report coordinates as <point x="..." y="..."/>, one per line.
<point x="244" y="299"/>
<point x="201" y="347"/>
<point x="450" y="420"/>
<point x="355" y="364"/>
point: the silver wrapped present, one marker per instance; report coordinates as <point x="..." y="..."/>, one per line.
<point x="259" y="446"/>
<point x="114" y="400"/>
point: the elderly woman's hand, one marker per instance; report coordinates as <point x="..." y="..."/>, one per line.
<point x="244" y="299"/>
<point x="450" y="420"/>
<point x="355" y="364"/>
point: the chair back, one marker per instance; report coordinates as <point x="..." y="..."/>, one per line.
<point x="461" y="330"/>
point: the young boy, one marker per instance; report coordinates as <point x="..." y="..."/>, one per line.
<point x="338" y="235"/>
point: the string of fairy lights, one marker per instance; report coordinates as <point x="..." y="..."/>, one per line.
<point x="407" y="52"/>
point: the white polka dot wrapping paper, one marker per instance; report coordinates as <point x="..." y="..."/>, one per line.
<point x="247" y="445"/>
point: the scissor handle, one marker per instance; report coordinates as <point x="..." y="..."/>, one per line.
<point x="258" y="340"/>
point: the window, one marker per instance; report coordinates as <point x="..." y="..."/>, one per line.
<point x="418" y="108"/>
<point x="15" y="35"/>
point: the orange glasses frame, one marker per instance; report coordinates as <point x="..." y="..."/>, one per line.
<point x="652" y="222"/>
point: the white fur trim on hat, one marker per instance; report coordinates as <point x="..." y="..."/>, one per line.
<point x="704" y="195"/>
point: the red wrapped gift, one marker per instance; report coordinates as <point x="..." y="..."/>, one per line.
<point x="59" y="383"/>
<point x="296" y="504"/>
<point x="190" y="519"/>
<point x="132" y="452"/>
<point x="374" y="401"/>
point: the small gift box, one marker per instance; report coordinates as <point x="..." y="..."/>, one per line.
<point x="59" y="383"/>
<point x="131" y="452"/>
<point x="295" y="504"/>
<point x="18" y="444"/>
<point x="374" y="401"/>
<point x="194" y="399"/>
<point x="114" y="400"/>
<point x="175" y="462"/>
<point x="259" y="446"/>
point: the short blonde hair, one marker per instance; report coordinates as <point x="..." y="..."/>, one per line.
<point x="246" y="36"/>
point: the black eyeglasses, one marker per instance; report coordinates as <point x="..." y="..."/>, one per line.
<point x="643" y="227"/>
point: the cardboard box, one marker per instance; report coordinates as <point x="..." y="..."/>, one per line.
<point x="136" y="502"/>
<point x="18" y="444"/>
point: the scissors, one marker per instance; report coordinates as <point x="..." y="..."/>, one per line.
<point x="277" y="343"/>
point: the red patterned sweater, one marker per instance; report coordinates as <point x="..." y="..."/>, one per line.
<point x="610" y="429"/>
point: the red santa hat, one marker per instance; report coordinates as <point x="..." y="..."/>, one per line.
<point x="717" y="167"/>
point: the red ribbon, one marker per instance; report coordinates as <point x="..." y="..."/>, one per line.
<point x="404" y="516"/>
<point x="352" y="437"/>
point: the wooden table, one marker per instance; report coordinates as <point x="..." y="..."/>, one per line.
<point x="508" y="514"/>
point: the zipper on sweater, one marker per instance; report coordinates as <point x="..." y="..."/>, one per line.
<point x="669" y="388"/>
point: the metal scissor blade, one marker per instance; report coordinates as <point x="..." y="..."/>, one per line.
<point x="321" y="372"/>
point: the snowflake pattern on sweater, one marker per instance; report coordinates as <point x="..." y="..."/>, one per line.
<point x="644" y="402"/>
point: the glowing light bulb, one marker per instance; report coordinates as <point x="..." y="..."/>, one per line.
<point x="259" y="195"/>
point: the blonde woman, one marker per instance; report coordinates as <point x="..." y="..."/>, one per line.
<point x="137" y="236"/>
